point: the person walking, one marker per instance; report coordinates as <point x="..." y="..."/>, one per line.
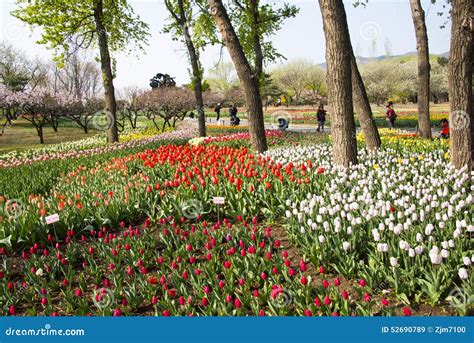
<point x="321" y="117"/>
<point x="391" y="115"/>
<point x="218" y="111"/>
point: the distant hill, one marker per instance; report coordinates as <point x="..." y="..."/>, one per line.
<point x="363" y="60"/>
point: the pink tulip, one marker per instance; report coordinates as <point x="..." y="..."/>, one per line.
<point x="237" y="303"/>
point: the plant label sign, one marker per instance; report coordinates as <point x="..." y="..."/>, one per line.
<point x="218" y="200"/>
<point x="52" y="218"/>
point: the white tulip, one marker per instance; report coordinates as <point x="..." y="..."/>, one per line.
<point x="463" y="273"/>
<point x="345" y="246"/>
<point x="393" y="262"/>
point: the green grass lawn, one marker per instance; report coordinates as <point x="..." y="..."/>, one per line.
<point x="22" y="135"/>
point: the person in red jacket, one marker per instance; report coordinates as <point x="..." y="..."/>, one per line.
<point x="391" y="115"/>
<point x="444" y="133"/>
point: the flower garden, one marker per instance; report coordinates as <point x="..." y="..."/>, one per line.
<point x="137" y="231"/>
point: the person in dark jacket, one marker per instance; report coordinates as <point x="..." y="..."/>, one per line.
<point x="321" y="117"/>
<point x="218" y="111"/>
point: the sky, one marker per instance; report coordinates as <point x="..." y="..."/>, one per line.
<point x="382" y="21"/>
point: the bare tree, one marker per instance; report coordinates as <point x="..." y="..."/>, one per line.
<point x="19" y="72"/>
<point x="79" y="76"/>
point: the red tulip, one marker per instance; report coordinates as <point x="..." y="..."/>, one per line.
<point x="11" y="310"/>
<point x="228" y="298"/>
<point x="384" y="302"/>
<point x="106" y="282"/>
<point x="407" y="311"/>
<point x="255" y="293"/>
<point x="153" y="280"/>
<point x="303" y="266"/>
<point x="335" y="314"/>
<point x="337" y="282"/>
<point x="327" y="300"/>
<point x="207" y="289"/>
<point x="263" y="275"/>
<point x="322" y="270"/>
<point x="91" y="250"/>
<point x="78" y="292"/>
<point x="44" y="301"/>
<point x="10" y="286"/>
<point x="325" y="284"/>
<point x="261" y="313"/>
<point x="154" y="299"/>
<point x="221" y="284"/>
<point x="166" y="313"/>
<point x="362" y="283"/>
<point x="227" y="264"/>
<point x="367" y="297"/>
<point x="304" y="281"/>
<point x="307" y="313"/>
<point x="284" y="254"/>
<point x="317" y="302"/>
<point x="2" y="274"/>
<point x="204" y="302"/>
<point x="181" y="300"/>
<point x="345" y="295"/>
<point x="117" y="312"/>
<point x="241" y="282"/>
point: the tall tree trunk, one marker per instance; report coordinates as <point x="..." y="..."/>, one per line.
<point x="461" y="117"/>
<point x="339" y="81"/>
<point x="107" y="76"/>
<point x="363" y="109"/>
<point x="197" y="77"/>
<point x="418" y="15"/>
<point x="246" y="75"/>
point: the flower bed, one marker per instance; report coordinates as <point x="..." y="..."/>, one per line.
<point x="401" y="218"/>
